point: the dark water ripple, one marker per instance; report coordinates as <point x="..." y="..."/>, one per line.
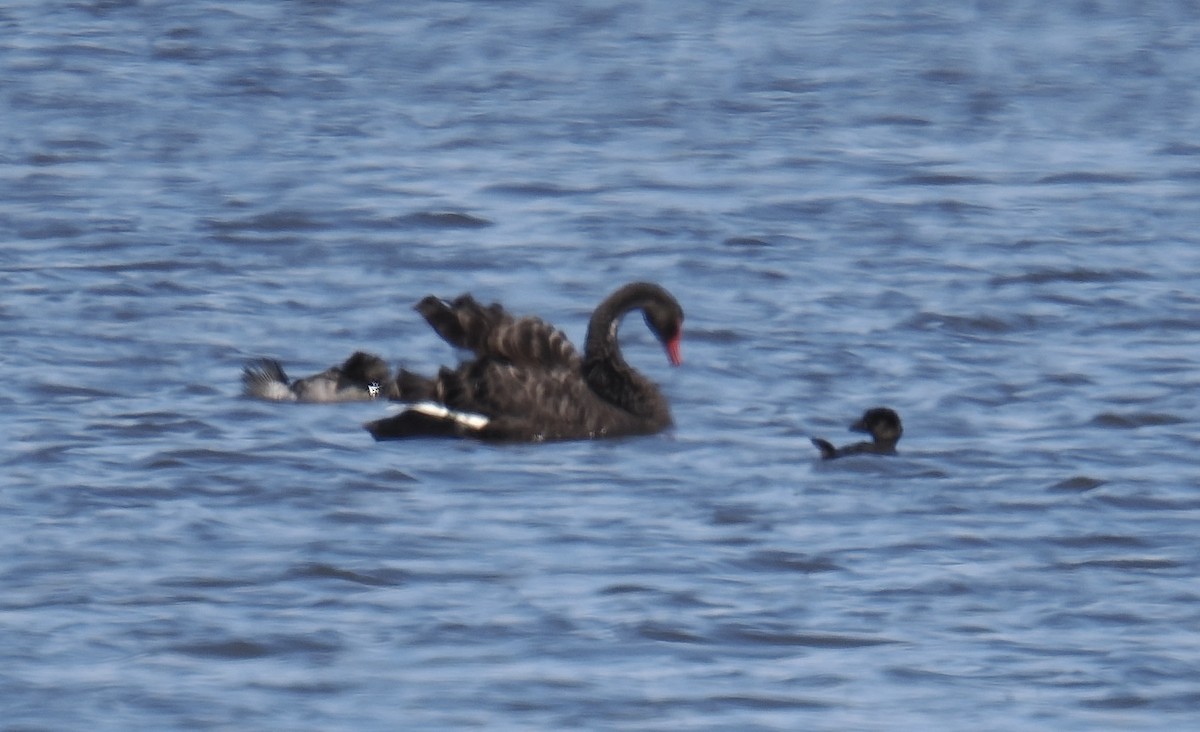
<point x="982" y="216"/>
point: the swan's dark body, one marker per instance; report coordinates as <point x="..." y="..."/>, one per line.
<point x="527" y="382"/>
<point x="361" y="377"/>
<point x="881" y="423"/>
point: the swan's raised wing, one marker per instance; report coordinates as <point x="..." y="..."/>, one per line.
<point x="492" y="332"/>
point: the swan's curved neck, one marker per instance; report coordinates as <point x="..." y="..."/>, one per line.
<point x="602" y="340"/>
<point x="604" y="367"/>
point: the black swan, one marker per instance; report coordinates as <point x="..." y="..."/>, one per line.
<point x="361" y="377"/>
<point x="527" y="382"/>
<point x="881" y="423"/>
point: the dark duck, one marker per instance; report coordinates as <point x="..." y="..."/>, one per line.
<point x="527" y="383"/>
<point x="361" y="377"/>
<point x="881" y="423"/>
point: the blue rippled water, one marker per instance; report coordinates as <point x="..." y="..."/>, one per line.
<point x="984" y="216"/>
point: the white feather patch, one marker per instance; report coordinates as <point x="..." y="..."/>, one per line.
<point x="469" y="420"/>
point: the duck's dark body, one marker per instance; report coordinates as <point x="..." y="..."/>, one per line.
<point x="361" y="377"/>
<point x="527" y="382"/>
<point x="881" y="423"/>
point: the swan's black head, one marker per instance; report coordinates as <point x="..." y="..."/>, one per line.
<point x="881" y="423"/>
<point x="664" y="317"/>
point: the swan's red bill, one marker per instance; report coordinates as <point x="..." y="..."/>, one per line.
<point x="673" y="350"/>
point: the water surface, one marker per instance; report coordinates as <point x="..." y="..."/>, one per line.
<point x="984" y="217"/>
